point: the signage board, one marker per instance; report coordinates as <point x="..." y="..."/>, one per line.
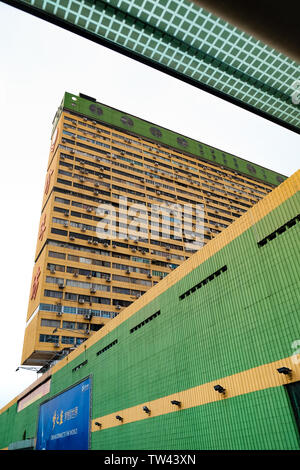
<point x="64" y="421"/>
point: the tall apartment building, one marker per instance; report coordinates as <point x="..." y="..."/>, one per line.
<point x="165" y="195"/>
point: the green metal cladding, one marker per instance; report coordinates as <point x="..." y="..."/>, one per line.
<point x="160" y="135"/>
<point x="246" y="317"/>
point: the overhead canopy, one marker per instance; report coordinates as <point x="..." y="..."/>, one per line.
<point x="182" y="39"/>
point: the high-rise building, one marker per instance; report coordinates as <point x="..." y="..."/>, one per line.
<point x="125" y="203"/>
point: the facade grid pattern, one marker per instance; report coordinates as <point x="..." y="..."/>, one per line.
<point x="184" y="37"/>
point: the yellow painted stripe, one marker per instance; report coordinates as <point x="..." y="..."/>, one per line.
<point x="252" y="380"/>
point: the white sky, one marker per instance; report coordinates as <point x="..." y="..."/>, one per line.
<point x="39" y="62"/>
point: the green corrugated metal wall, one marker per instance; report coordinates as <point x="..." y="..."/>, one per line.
<point x="246" y="317"/>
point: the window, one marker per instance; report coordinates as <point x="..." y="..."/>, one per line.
<point x="64" y="233"/>
<point x="55" y="254"/>
<point x="48" y="322"/>
<point x="49" y="339"/>
<point x="53" y="293"/>
<point x="55" y="267"/>
<point x="140" y="260"/>
<point x="69" y="324"/>
<point x="203" y="282"/>
<point x="80" y="366"/>
<point x="132" y="280"/>
<point x="67" y="340"/>
<point x="279" y="231"/>
<point x="61" y="200"/>
<point x="147" y="320"/>
<point x="107" y="347"/>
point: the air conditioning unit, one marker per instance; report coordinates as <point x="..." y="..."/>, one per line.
<point x="127" y="272"/>
<point x="56" y="345"/>
<point x="72" y="237"/>
<point x="81" y="301"/>
<point x="108" y="279"/>
<point x="149" y="276"/>
<point x="89" y="276"/>
<point x="89" y="209"/>
<point x="61" y="285"/>
<point x="92" y="290"/>
<point x="83" y="229"/>
<point x="118" y="307"/>
<point x="59" y="309"/>
<point x="95" y="242"/>
<point x="97" y="184"/>
<point x="90" y="240"/>
<point x="66" y="224"/>
<point x="52" y="270"/>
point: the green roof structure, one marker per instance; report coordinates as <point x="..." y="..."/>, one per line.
<point x="88" y="106"/>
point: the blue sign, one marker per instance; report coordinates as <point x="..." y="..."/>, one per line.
<point x="65" y="419"/>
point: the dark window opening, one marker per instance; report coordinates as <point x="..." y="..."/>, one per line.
<point x="147" y="320"/>
<point x="107" y="347"/>
<point x="211" y="277"/>
<point x="279" y="231"/>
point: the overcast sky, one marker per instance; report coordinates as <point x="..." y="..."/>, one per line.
<point x="39" y="62"/>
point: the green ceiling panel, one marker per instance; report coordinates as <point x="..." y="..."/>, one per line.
<point x="181" y="38"/>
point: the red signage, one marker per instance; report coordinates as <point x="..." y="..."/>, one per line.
<point x="35" y="284"/>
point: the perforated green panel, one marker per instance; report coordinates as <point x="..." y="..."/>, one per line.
<point x="184" y="38"/>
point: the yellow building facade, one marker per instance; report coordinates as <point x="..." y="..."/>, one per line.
<point x="122" y="208"/>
